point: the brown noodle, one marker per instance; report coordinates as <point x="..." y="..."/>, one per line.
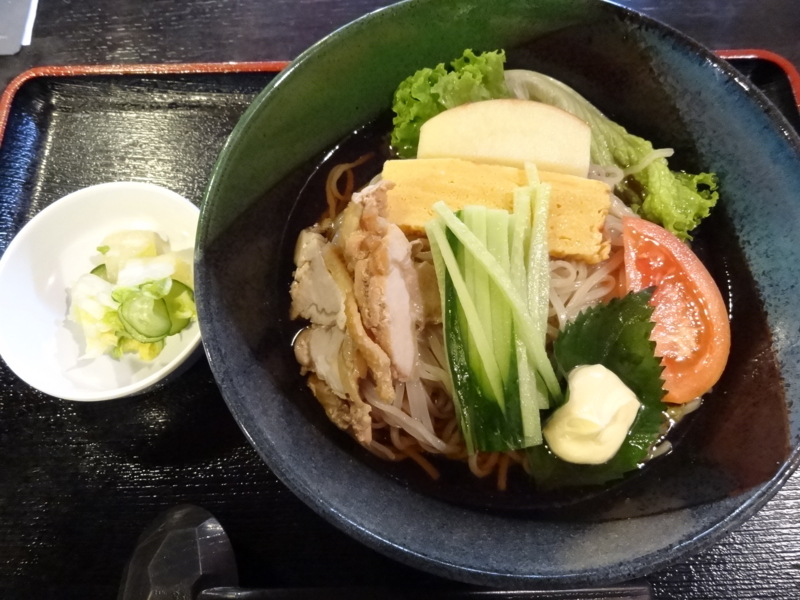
<point x="396" y="445"/>
<point x="337" y="200"/>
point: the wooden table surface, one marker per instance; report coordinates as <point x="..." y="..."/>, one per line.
<point x="760" y="560"/>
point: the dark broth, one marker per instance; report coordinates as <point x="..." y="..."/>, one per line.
<point x="737" y="439"/>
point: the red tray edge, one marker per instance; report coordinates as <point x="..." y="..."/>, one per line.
<point x="773" y="57"/>
<point x="134" y="69"/>
<point x="274" y="66"/>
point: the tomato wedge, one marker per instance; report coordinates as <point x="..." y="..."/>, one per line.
<point x="692" y="331"/>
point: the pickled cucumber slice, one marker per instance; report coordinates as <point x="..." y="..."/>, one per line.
<point x="146" y="319"/>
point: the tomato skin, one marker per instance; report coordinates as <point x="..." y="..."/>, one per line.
<point x="692" y="331"/>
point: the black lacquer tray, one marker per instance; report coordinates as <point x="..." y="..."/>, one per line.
<point x="80" y="481"/>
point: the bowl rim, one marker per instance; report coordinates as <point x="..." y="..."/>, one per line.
<point x="51" y="211"/>
<point x="754" y="499"/>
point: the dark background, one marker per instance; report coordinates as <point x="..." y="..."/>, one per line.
<point x="152" y="31"/>
<point x="38" y="558"/>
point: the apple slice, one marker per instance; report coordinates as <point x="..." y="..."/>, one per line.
<point x="509" y="132"/>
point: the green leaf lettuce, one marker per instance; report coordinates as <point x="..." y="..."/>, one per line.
<point x="676" y="201"/>
<point x="428" y="92"/>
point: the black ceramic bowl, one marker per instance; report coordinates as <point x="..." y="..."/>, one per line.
<point x="733" y="455"/>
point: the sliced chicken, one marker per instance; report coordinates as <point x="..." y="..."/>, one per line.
<point x="352" y="368"/>
<point x="317" y="349"/>
<point x="361" y="292"/>
<point x="348" y="234"/>
<point x="345" y="415"/>
<point x="336" y="367"/>
<point x="386" y="285"/>
<point x="315" y="295"/>
<point x="375" y="357"/>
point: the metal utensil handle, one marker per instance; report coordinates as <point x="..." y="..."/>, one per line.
<point x="635" y="591"/>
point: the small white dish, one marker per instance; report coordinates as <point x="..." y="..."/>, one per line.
<point x="43" y="262"/>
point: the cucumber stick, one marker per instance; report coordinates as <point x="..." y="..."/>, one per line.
<point x="498" y="226"/>
<point x="483" y="422"/>
<point x="532" y="173"/>
<point x="530" y="395"/>
<point x="497" y="242"/>
<point x="477" y="280"/>
<point x="521" y="238"/>
<point x="539" y="271"/>
<point x="480" y="312"/>
<point x="530" y="401"/>
<point x="445" y="291"/>
<point x="493" y="272"/>
<point x="477" y="287"/>
<point x="486" y="423"/>
<point x="470" y="312"/>
<point x="480" y="414"/>
<point x="539" y="261"/>
<point x="524" y="325"/>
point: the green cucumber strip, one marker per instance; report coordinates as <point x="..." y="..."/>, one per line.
<point x="529" y="398"/>
<point x="520" y="239"/>
<point x="502" y="320"/>
<point x="438" y="261"/>
<point x="532" y="172"/>
<point x="474" y="217"/>
<point x="514" y="431"/>
<point x="100" y="271"/>
<point x="466" y="264"/>
<point x="539" y="261"/>
<point x="437" y="232"/>
<point x="543" y="397"/>
<point x="539" y="269"/>
<point x="477" y="219"/>
<point x="179" y="294"/>
<point x="498" y="229"/>
<point x="486" y="422"/>
<point x="145" y="319"/>
<point x="465" y="390"/>
<point x="464" y="261"/>
<point x="502" y="328"/>
<point x="524" y="325"/>
<point x="440" y="269"/>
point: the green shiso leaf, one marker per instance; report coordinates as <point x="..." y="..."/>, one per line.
<point x="428" y="92"/>
<point x="617" y="336"/>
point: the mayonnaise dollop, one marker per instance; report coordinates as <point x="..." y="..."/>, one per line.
<point x="590" y="428"/>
